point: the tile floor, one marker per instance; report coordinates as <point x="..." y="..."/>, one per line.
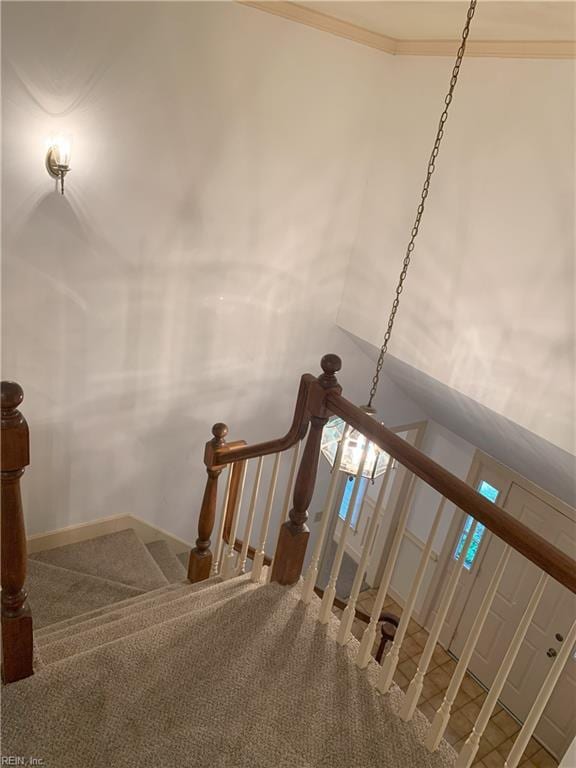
<point x="502" y="728"/>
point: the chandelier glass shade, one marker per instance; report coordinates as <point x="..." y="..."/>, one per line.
<point x="353" y="447"/>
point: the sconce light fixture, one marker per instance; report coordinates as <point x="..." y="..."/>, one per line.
<point x="58" y="159"/>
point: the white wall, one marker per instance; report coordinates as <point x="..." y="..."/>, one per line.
<point x="489" y="304"/>
<point x="193" y="269"/>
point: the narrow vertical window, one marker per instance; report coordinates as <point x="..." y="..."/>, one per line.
<point x="347" y="497"/>
<point x="490" y="493"/>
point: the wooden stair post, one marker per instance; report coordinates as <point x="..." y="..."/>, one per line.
<point x="200" y="562"/>
<point x="17" y="648"/>
<point x="294" y="533"/>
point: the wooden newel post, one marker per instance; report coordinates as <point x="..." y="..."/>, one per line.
<point x="200" y="562"/>
<point x="294" y="533"/>
<point x="17" y="648"/>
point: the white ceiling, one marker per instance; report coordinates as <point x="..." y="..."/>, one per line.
<point x="494" y="20"/>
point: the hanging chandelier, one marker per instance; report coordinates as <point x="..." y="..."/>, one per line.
<point x="357" y="455"/>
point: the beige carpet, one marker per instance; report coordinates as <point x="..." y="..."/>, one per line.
<point x="119" y="557"/>
<point x="243" y="676"/>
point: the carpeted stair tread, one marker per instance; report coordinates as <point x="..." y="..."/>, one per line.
<point x="119" y="556"/>
<point x="57" y="594"/>
<point x="254" y="682"/>
<point x="118" y="609"/>
<point x="157" y="600"/>
<point x="54" y="650"/>
<point x="168" y="563"/>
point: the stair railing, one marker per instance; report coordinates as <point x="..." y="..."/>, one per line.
<point x="317" y="400"/>
<point x="17" y="647"/>
<point x="310" y="416"/>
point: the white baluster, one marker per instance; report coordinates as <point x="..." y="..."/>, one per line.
<point x="391" y="659"/>
<point x="468" y="751"/>
<point x="312" y="571"/>
<point x="345" y="630"/>
<point x="415" y="688"/>
<point x="290" y="485"/>
<point x="442" y="716"/>
<point x="369" y="636"/>
<point x="541" y="700"/>
<point x="256" y="574"/>
<point x="250" y="518"/>
<point x="220" y="533"/>
<point x="330" y="592"/>
<point x="228" y="561"/>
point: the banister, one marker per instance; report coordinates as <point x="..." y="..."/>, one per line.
<point x="17" y="641"/>
<point x="534" y="547"/>
<point x="233" y="452"/>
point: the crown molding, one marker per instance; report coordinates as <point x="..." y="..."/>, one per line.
<point x="511" y="49"/>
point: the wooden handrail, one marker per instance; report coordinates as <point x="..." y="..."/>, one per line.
<point x="501" y="523"/>
<point x="232" y="452"/>
<point x="291" y="547"/>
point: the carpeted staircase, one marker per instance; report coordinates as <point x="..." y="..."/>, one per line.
<point x="137" y="667"/>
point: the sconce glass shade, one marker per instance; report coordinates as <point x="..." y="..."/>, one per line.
<point x="353" y="448"/>
<point x="61" y="148"/>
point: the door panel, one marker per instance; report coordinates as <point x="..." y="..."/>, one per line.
<point x="555" y="614"/>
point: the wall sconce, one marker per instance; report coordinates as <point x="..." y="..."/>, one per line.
<point x="58" y="159"/>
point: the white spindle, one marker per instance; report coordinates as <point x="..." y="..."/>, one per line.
<point x="290" y="485"/>
<point x="250" y="518"/>
<point x="541" y="700"/>
<point x="468" y="751"/>
<point x="415" y="688"/>
<point x="256" y="574"/>
<point x="345" y="630"/>
<point x="369" y="636"/>
<point x="228" y="562"/>
<point x="312" y="571"/>
<point x="442" y="716"/>
<point x="330" y="592"/>
<point x="220" y="533"/>
<point x="391" y="659"/>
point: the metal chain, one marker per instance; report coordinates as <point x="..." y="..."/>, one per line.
<point x="423" y="196"/>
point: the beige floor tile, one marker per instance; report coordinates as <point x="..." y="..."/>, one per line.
<point x="441" y="677"/>
<point x="411" y="647"/>
<point x="494" y="734"/>
<point x="544" y="760"/>
<point x="421" y="637"/>
<point x="531" y="748"/>
<point x="440" y="656"/>
<point x="504" y="749"/>
<point x="462" y="698"/>
<point x="506" y="722"/>
<point x="436" y="701"/>
<point x="492" y="760"/>
<point x="413" y="627"/>
<point x="460" y="724"/>
<point x="427" y="710"/>
<point x="401" y="680"/>
<point x="408" y="668"/>
<point x="429" y="689"/>
<point x="471" y="687"/>
<point x="471" y="710"/>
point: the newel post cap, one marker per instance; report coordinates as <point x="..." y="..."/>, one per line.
<point x="330" y="365"/>
<point x="12" y="395"/>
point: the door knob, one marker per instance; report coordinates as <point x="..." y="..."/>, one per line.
<point x="551" y="653"/>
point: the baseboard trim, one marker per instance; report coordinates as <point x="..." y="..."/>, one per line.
<point x="83" y="531"/>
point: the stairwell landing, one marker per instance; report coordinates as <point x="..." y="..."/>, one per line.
<point x="135" y="666"/>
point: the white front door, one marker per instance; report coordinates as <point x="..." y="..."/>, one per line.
<point x="556" y="613"/>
